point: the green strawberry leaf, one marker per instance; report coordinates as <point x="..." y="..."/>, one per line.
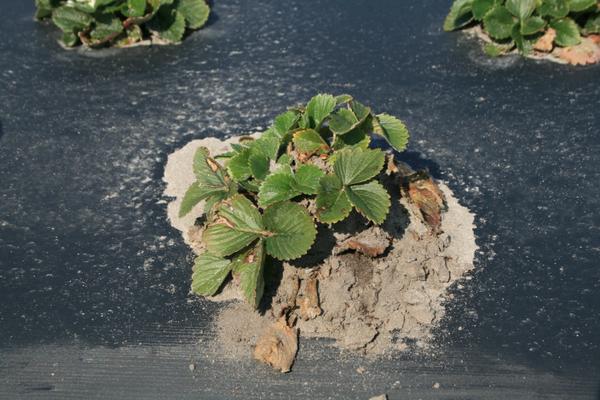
<point x="209" y="273"/>
<point x="342" y="99"/>
<point x="358" y="165"/>
<point x="270" y="133"/>
<point x="69" y="39"/>
<point x="371" y="200"/>
<point x="237" y="148"/>
<point x="135" y="8"/>
<point x="211" y="202"/>
<point x="112" y="6"/>
<point x="206" y="169"/>
<point x="567" y="32"/>
<point x="319" y="108"/>
<point x="242" y="214"/>
<point x="276" y="188"/>
<point x="332" y="203"/>
<point x="581" y="5"/>
<point x="357" y="137"/>
<point x="285" y="159"/>
<point x="360" y="110"/>
<point x="292" y="230"/>
<point x="532" y="25"/>
<point x="69" y="19"/>
<point x="521" y="8"/>
<point x="308" y="178"/>
<point x="238" y="166"/>
<point x="259" y="166"/>
<point x="523" y="44"/>
<point x="195" y="12"/>
<point x="168" y="24"/>
<point x="250" y="268"/>
<point x="43" y="9"/>
<point x="106" y="27"/>
<point x="459" y="16"/>
<point x="283" y="185"/>
<point x="250" y="186"/>
<point x="211" y="181"/>
<point x="495" y="50"/>
<point x="237" y="224"/>
<point x="284" y="123"/>
<point x="223" y="240"/>
<point x="268" y="146"/>
<point x="193" y="196"/>
<point x="499" y="23"/>
<point x="482" y="7"/>
<point x="592" y="25"/>
<point x="343" y="121"/>
<point x="553" y="8"/>
<point x="87" y="8"/>
<point x="309" y="142"/>
<point x="304" y="121"/>
<point x="392" y="129"/>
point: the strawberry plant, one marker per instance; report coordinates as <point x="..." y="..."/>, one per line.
<point x="527" y="24"/>
<point x="313" y="165"/>
<point x="123" y="22"/>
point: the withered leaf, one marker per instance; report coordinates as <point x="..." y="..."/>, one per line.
<point x="545" y="42"/>
<point x="587" y="52"/>
<point x="391" y="167"/>
<point x="427" y="196"/>
<point x="309" y="302"/>
<point x="372" y="242"/>
<point x="277" y="346"/>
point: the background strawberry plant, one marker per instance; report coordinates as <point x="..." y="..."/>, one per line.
<point x="520" y="23"/>
<point x="123" y="22"/>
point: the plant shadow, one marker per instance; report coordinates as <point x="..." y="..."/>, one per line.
<point x="273" y="276"/>
<point x="418" y="162"/>
<point x="213" y="16"/>
<point x="322" y="248"/>
<point x="414" y="159"/>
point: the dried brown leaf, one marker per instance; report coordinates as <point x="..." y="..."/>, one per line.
<point x="212" y="164"/>
<point x="294" y="288"/>
<point x="366" y="248"/>
<point x="391" y="167"/>
<point x="545" y="42"/>
<point x="277" y="346"/>
<point x="371" y="242"/>
<point x="309" y="302"/>
<point x="587" y="52"/>
<point x="427" y="196"/>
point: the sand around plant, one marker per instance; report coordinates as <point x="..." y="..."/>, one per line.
<point x="371" y="289"/>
